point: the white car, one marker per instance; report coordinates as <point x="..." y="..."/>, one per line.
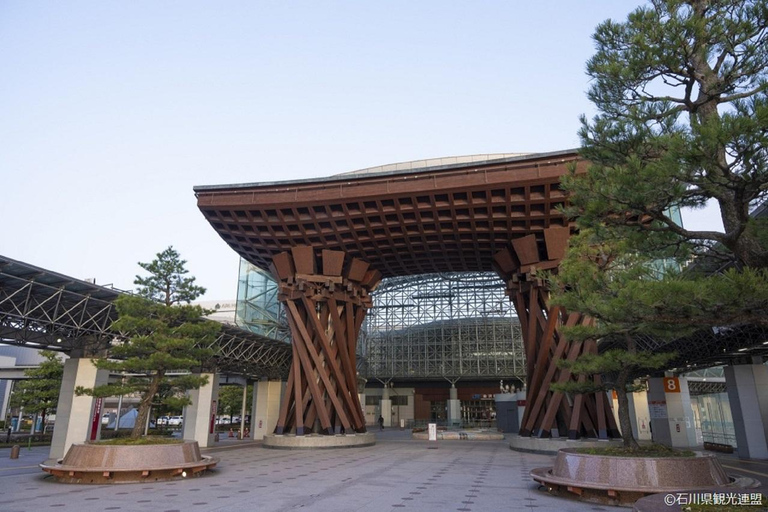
<point x="175" y="421"/>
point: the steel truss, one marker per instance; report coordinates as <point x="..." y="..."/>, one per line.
<point x="698" y="387"/>
<point x="448" y="325"/>
<point x="734" y="344"/>
<point x="43" y="309"/>
<point x="252" y="355"/>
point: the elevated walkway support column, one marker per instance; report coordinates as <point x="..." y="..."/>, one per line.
<point x="74" y="414"/>
<point x="671" y="413"/>
<point x="326" y="297"/>
<point x="549" y="413"/>
<point x="200" y="416"/>
<point x="746" y="385"/>
<point x="266" y="407"/>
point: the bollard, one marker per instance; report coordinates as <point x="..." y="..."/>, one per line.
<point x="15" y="451"/>
<point x="216" y="438"/>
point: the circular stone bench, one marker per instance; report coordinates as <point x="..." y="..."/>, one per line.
<point x="318" y="441"/>
<point x="623" y="480"/>
<point x="100" y="463"/>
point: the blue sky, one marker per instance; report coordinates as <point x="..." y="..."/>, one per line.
<point x="110" y="112"/>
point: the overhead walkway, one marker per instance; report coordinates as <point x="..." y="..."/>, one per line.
<point x="44" y="309"/>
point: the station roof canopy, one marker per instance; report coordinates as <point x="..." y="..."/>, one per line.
<point x="421" y="217"/>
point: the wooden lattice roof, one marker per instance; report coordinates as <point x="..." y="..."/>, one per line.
<point x="433" y="219"/>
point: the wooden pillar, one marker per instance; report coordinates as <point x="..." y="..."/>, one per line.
<point x="548" y="413"/>
<point x="326" y="296"/>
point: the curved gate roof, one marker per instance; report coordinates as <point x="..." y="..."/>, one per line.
<point x="403" y="220"/>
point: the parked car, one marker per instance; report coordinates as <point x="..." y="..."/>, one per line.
<point x="175" y="421"/>
<point x="162" y="420"/>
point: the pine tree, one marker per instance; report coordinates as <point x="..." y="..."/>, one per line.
<point x="39" y="392"/>
<point x="602" y="279"/>
<point x="159" y="336"/>
<point x="681" y="90"/>
<point x="166" y="282"/>
<point x="682" y="93"/>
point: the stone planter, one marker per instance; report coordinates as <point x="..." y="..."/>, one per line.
<point x="623" y="480"/>
<point x="96" y="463"/>
<point x="318" y="442"/>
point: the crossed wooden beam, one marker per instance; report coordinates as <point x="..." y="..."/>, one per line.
<point x="326" y="297"/>
<point x="550" y="413"/>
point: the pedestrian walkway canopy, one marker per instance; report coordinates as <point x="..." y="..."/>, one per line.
<point x="44" y="309"/>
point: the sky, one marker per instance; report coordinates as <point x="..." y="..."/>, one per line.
<point x="112" y="111"/>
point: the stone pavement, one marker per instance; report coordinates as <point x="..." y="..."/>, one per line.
<point x="398" y="474"/>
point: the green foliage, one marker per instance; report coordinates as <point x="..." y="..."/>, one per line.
<point x="166" y="282"/>
<point x="157" y="339"/>
<point x="610" y="364"/>
<point x="231" y="400"/>
<point x="611" y="280"/>
<point x="39" y="393"/>
<point x="683" y="119"/>
<point x="681" y="92"/>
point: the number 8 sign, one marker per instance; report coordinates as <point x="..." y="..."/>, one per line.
<point x="671" y="385"/>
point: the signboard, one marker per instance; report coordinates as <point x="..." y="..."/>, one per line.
<point x="96" y="419"/>
<point x="212" y="424"/>
<point x="658" y="409"/>
<point x="671" y="385"/>
<point x="432" y="429"/>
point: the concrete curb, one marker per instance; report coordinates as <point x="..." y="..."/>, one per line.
<point x="318" y="442"/>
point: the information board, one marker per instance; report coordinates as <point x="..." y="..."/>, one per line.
<point x="657" y="409"/>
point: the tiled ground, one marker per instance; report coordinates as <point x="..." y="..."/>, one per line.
<point x="398" y="474"/>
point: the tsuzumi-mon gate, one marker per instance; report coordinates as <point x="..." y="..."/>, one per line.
<point x="328" y="242"/>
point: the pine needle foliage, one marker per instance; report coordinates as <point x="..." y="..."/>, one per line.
<point x="39" y="392"/>
<point x="681" y="89"/>
<point x="158" y="337"/>
<point x="166" y="282"/>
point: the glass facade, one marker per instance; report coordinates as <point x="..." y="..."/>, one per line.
<point x="258" y="309"/>
<point x="427" y="326"/>
<point x="715" y="419"/>
<point x="442" y="325"/>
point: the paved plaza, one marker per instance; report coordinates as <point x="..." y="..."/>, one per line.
<point x="398" y="474"/>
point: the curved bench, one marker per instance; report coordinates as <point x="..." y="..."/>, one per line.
<point x="99" y="463"/>
<point x="622" y="480"/>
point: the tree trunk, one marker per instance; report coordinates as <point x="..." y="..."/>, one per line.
<point x="625" y="422"/>
<point x="145" y="405"/>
